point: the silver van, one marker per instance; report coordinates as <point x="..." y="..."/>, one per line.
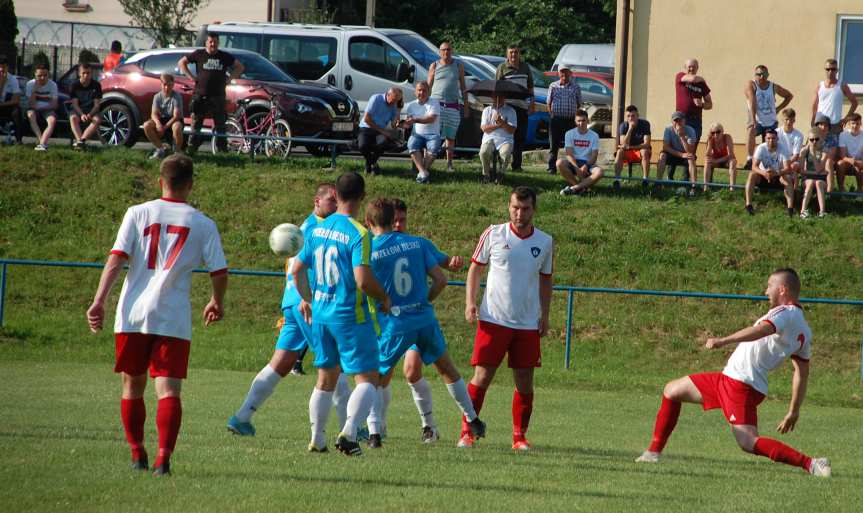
<point x="360" y="60"/>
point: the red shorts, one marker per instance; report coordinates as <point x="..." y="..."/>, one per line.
<point x="739" y="401"/>
<point x="631" y="156"/>
<point x="165" y="356"/>
<point x="493" y="340"/>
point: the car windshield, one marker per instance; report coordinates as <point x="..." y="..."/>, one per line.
<point x="259" y="68"/>
<point x="475" y="70"/>
<point x="418" y="47"/>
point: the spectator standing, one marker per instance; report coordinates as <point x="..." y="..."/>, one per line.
<point x="424" y="121"/>
<point x="692" y="96"/>
<point x="761" y="105"/>
<point x="498" y="124"/>
<point x="85" y="97"/>
<point x="564" y="99"/>
<point x="814" y="159"/>
<point x="828" y="103"/>
<point x="850" y="161"/>
<point x="166" y="115"/>
<point x="446" y="81"/>
<point x="791" y="140"/>
<point x="42" y="106"/>
<point x="720" y="154"/>
<point x="633" y="145"/>
<point x="579" y="167"/>
<point x="377" y="133"/>
<point x="678" y="148"/>
<point x="513" y="68"/>
<point x="114" y="58"/>
<point x="211" y="72"/>
<point x="770" y="166"/>
<point x="10" y="101"/>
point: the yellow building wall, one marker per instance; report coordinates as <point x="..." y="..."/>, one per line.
<point x="729" y="38"/>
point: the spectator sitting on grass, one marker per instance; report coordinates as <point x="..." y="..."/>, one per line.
<point x="10" y="101"/>
<point x="579" y="167"/>
<point x="770" y="167"/>
<point x="790" y="139"/>
<point x="850" y="161"/>
<point x="831" y="146"/>
<point x="85" y="97"/>
<point x="165" y="115"/>
<point x="498" y="124"/>
<point x="720" y="154"/>
<point x="814" y="158"/>
<point x="633" y="145"/>
<point x="424" y="122"/>
<point x="678" y="149"/>
<point x="42" y="106"/>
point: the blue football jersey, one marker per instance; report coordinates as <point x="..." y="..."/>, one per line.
<point x="401" y="263"/>
<point x="291" y="297"/>
<point x="439" y="256"/>
<point x="333" y="248"/>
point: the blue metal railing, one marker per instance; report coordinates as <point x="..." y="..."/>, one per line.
<point x="569" y="289"/>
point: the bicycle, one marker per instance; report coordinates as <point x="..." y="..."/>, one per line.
<point x="268" y="129"/>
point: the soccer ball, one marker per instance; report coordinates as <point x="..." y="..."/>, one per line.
<point x="286" y="240"/>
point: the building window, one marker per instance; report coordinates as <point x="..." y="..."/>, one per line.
<point x="849" y="51"/>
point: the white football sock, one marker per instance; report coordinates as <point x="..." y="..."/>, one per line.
<point x="319" y="411"/>
<point x="358" y="408"/>
<point x="340" y="399"/>
<point x="376" y="415"/>
<point x="458" y="391"/>
<point x="421" y="390"/>
<point x="262" y="387"/>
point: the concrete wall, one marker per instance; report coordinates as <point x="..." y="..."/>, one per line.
<point x="729" y="38"/>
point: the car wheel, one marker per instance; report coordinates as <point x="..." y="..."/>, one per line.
<point x="117" y="126"/>
<point x="236" y="143"/>
<point x="278" y="147"/>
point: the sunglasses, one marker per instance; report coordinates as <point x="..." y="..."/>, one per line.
<point x="831" y="69"/>
<point x="716" y="132"/>
<point x="759" y="74"/>
<point x="814" y="139"/>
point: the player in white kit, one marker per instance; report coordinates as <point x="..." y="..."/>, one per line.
<point x="163" y="240"/>
<point x="742" y="385"/>
<point x="514" y="311"/>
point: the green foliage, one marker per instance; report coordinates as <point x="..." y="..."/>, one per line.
<point x="166" y="21"/>
<point x="88" y="56"/>
<point x="8" y="21"/>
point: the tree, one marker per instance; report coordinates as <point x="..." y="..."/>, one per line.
<point x="166" y="21"/>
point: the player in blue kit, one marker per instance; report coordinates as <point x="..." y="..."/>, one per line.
<point x="293" y="335"/>
<point x="402" y="263"/>
<point x="344" y="336"/>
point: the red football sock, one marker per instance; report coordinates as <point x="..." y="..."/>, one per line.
<point x="168" y="416"/>
<point x="134" y="413"/>
<point x="666" y="419"/>
<point x="477" y="396"/>
<point x="777" y="451"/>
<point x="522" y="407"/>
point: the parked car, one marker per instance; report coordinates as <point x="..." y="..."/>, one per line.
<point x="586" y="57"/>
<point x="359" y="60"/>
<point x="311" y="109"/>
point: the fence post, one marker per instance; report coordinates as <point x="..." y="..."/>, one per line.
<point x="568" y="349"/>
<point x="2" y="292"/>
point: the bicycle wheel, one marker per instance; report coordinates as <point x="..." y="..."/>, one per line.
<point x="257" y="124"/>
<point x="278" y="147"/>
<point x="236" y="143"/>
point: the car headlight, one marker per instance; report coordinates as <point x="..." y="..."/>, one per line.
<point x="302" y="108"/>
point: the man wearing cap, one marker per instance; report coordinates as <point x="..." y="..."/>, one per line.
<point x="564" y="99"/>
<point x="678" y="149"/>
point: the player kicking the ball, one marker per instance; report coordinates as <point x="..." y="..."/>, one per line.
<point x="403" y="263"/>
<point x="294" y="334"/>
<point x="514" y="311"/>
<point x="742" y="385"/>
<point x="163" y="240"/>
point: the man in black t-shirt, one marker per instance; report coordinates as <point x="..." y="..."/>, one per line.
<point x="85" y="97"/>
<point x="633" y="145"/>
<point x="211" y="66"/>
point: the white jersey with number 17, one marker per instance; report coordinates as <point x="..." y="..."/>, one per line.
<point x="511" y="295"/>
<point x="164" y="241"/>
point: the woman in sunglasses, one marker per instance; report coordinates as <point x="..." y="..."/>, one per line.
<point x="720" y="154"/>
<point x="814" y="157"/>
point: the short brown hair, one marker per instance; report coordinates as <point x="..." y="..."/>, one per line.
<point x="788" y="112"/>
<point x="324" y="188"/>
<point x="177" y="171"/>
<point x="854" y="116"/>
<point x="399" y="205"/>
<point x="523" y="193"/>
<point x="790" y="279"/>
<point x="831" y="62"/>
<point x="350" y="186"/>
<point x="380" y="213"/>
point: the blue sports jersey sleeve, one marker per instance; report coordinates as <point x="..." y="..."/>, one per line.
<point x="439" y="256"/>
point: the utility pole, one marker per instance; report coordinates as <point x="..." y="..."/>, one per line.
<point x="370" y="13"/>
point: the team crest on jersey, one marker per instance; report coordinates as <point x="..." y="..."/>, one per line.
<point x="534" y="251"/>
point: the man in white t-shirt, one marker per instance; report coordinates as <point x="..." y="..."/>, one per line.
<point x="579" y="167"/>
<point x="498" y="124"/>
<point x="514" y="311"/>
<point x="742" y="385"/>
<point x="424" y="121"/>
<point x="10" y="101"/>
<point x="163" y="240"/>
<point x="850" y="161"/>
<point x="770" y="168"/>
<point x="790" y="140"/>
<point x="42" y="104"/>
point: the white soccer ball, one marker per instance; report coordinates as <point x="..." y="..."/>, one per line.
<point x="286" y="240"/>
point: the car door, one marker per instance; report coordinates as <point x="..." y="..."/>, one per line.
<point x="372" y="66"/>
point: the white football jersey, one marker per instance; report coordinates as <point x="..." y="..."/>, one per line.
<point x="751" y="361"/>
<point x="164" y="241"/>
<point x="511" y="296"/>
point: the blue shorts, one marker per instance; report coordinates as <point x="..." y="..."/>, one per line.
<point x="428" y="340"/>
<point x="761" y="129"/>
<point x="417" y="142"/>
<point x="294" y="332"/>
<point x="353" y="346"/>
